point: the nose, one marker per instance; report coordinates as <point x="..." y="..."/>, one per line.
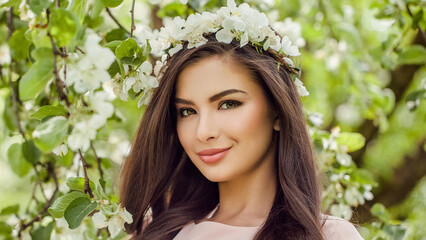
<point x="207" y="128"/>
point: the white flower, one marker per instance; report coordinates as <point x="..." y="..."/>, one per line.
<point x="291" y="29"/>
<point x="300" y="88"/>
<point x="61" y="150"/>
<point x="344" y="159"/>
<point x="116" y="223"/>
<point x="144" y="100"/>
<point x="100" y="104"/>
<point x="4" y="54"/>
<point x="146" y="67"/>
<point x="316" y="119"/>
<point x="99" y="220"/>
<point x="224" y="35"/>
<point x="89" y="71"/>
<point x="85" y="131"/>
<point x="175" y="49"/>
<point x="287" y="48"/>
<point x="184" y="1"/>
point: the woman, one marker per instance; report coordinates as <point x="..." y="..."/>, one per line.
<point x="222" y="150"/>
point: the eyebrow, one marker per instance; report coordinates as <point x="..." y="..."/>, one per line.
<point x="212" y="98"/>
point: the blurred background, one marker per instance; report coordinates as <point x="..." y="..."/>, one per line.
<point x="363" y="63"/>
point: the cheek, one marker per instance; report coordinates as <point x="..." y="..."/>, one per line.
<point x="249" y="122"/>
<point x="183" y="134"/>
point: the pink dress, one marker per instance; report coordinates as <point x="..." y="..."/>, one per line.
<point x="334" y="229"/>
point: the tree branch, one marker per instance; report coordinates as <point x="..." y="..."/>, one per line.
<point x="10" y="23"/>
<point x="15" y="104"/>
<point x="395" y="190"/>
<point x="116" y="21"/>
<point x="98" y="160"/>
<point x="132" y="12"/>
<point x="86" y="178"/>
<point x="15" y="98"/>
<point x="39" y="182"/>
<point x="42" y="213"/>
<point x="401" y="79"/>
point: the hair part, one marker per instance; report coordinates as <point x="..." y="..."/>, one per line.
<point x="158" y="174"/>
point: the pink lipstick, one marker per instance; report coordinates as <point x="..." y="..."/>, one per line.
<point x="213" y="155"/>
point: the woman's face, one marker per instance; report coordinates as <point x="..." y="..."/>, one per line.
<point x="224" y="121"/>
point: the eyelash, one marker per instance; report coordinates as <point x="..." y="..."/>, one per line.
<point x="228" y="102"/>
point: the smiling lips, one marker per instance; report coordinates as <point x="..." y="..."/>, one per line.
<point x="213" y="155"/>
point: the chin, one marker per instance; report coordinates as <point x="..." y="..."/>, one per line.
<point x="216" y="177"/>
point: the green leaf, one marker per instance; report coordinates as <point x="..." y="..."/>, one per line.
<point x="129" y="52"/>
<point x="77" y="210"/>
<point x="79" y="8"/>
<point x="19" y="45"/>
<point x="17" y="161"/>
<point x="173" y="9"/>
<point x="116" y="34"/>
<point x="37" y="6"/>
<point x="31" y="152"/>
<point x="10" y="210"/>
<point x="5" y="229"/>
<point x="112" y="3"/>
<point x="60" y="205"/>
<point x="353" y="141"/>
<point x="36" y="78"/>
<point x="51" y="133"/>
<point x="380" y="211"/>
<point x="113" y="45"/>
<point x="415" y="54"/>
<point x="77" y="183"/>
<point x="11" y="3"/>
<point x="43" y="232"/>
<point x="63" y="26"/>
<point x="49" y="110"/>
<point x="396" y="232"/>
<point x="363" y="176"/>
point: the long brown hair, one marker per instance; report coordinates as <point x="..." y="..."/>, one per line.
<point x="158" y="175"/>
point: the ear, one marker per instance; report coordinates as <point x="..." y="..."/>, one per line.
<point x="277" y="124"/>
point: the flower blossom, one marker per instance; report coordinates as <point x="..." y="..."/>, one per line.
<point x="115" y="223"/>
<point x="90" y="70"/>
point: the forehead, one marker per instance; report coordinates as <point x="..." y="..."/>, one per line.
<point x="212" y="75"/>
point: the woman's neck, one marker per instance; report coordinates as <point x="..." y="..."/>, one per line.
<point x="247" y="200"/>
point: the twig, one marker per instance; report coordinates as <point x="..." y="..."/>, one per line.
<point x="39" y="182"/>
<point x="43" y="212"/>
<point x="116" y="21"/>
<point x="1" y="76"/>
<point x="10" y="23"/>
<point x="132" y="11"/>
<point x="14" y="102"/>
<point x="81" y="50"/>
<point x="58" y="82"/>
<point x="86" y="178"/>
<point x="98" y="160"/>
<point x="15" y="98"/>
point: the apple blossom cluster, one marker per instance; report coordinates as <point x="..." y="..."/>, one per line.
<point x="242" y="23"/>
<point x="114" y="220"/>
<point x="88" y="71"/>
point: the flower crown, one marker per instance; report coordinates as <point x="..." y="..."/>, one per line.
<point x="242" y="23"/>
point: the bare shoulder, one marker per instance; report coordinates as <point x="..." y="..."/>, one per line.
<point x="335" y="228"/>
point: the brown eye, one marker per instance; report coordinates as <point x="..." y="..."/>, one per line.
<point x="229" y="104"/>
<point x="185" y="112"/>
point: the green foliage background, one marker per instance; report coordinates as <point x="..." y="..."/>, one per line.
<point x="363" y="63"/>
